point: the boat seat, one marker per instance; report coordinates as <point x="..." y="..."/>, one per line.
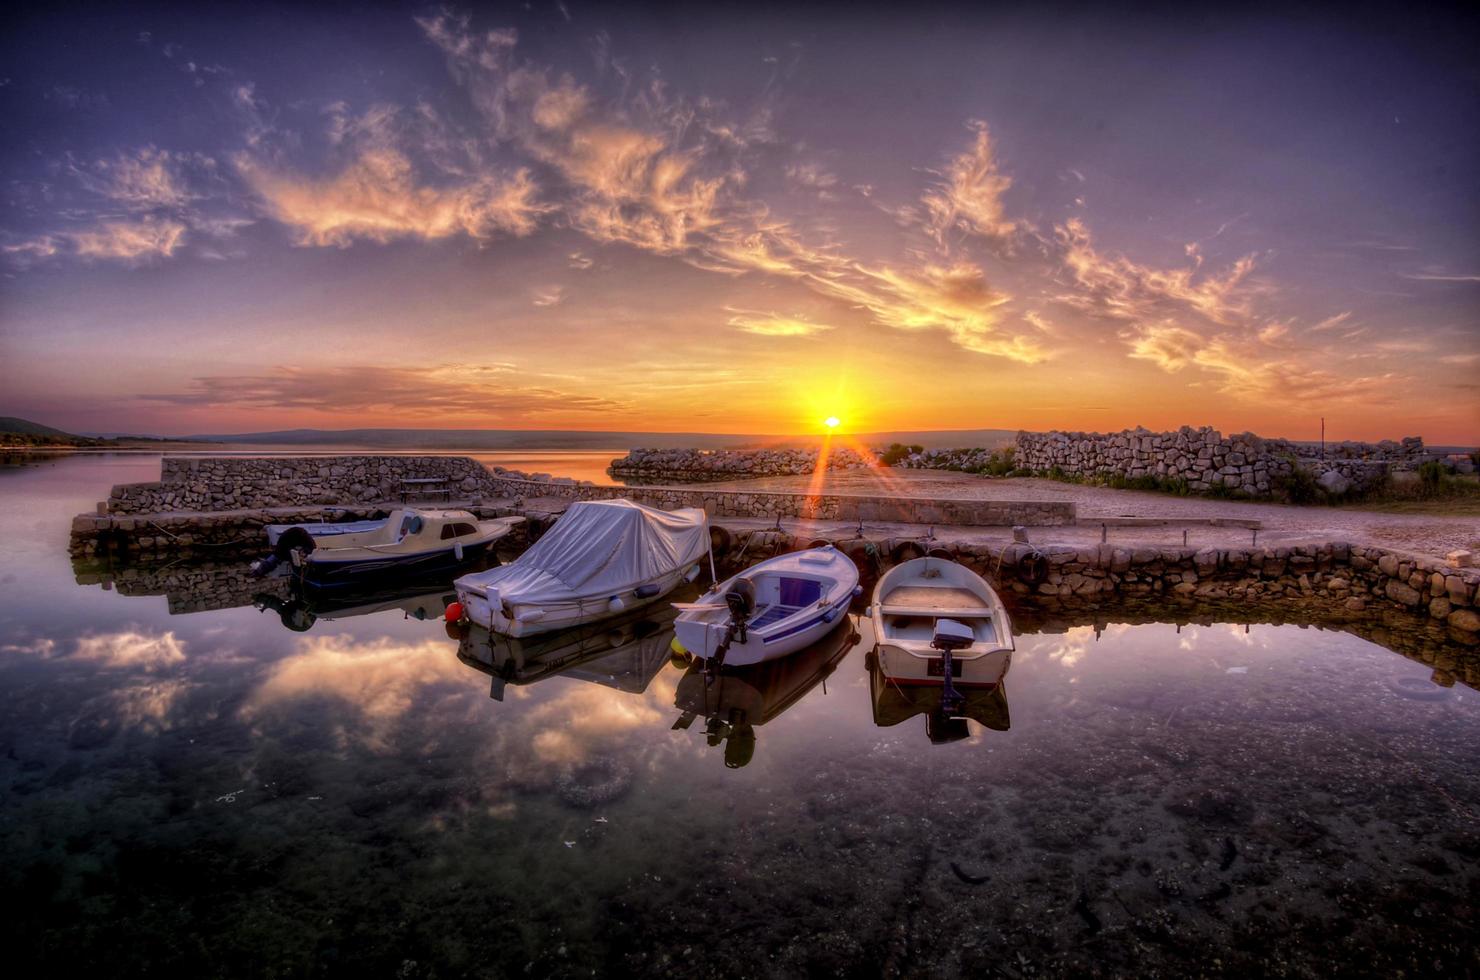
<point x="773" y="613"/>
<point x="974" y="612"/>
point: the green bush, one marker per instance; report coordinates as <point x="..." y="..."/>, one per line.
<point x="1299" y="486"/>
<point x="1432" y="478"/>
<point x="898" y="452"/>
<point x="1000" y="463"/>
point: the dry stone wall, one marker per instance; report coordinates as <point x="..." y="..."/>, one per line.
<point x="697" y="465"/>
<point x="1206" y="459"/>
<point x="823" y="507"/>
<point x="190" y="483"/>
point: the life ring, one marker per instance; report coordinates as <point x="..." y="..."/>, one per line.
<point x="819" y="543"/>
<point x="1033" y="567"/>
<point x="719" y="540"/>
<point x="294" y="539"/>
<point x="906" y="551"/>
<point x="864" y="557"/>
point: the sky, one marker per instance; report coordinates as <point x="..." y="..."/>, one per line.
<point x="740" y="219"/>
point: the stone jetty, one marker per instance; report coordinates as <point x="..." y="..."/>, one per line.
<point x="695" y="465"/>
<point x="1204" y="458"/>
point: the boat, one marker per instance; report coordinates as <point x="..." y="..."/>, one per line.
<point x="937" y="622"/>
<point x="771" y="609"/>
<point x="737" y="700"/>
<point x="275" y="532"/>
<point x="599" y="559"/>
<point x="896" y="703"/>
<point x="411" y="542"/>
<point x="624" y="652"/>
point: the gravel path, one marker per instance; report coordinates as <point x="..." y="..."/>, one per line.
<point x="1425" y="533"/>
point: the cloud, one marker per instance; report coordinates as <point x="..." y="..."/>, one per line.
<point x="147" y="179"/>
<point x="1437" y="277"/>
<point x="548" y="296"/>
<point x="774" y="324"/>
<point x="1464" y="360"/>
<point x="968" y="198"/>
<point x="1331" y="322"/>
<point x="377" y="197"/>
<point x="131" y="649"/>
<point x="580" y="262"/>
<point x="466" y="389"/>
<point x="1117" y="288"/>
<point x="130" y="241"/>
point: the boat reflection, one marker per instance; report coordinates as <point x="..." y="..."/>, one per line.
<point x="304" y="605"/>
<point x="736" y="700"/>
<point x="625" y="653"/>
<point x="894" y="703"/>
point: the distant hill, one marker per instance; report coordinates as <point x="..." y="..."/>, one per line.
<point x="24" y="432"/>
<point x="26" y="427"/>
<point x="523" y="439"/>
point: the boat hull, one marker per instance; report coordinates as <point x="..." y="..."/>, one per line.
<point x="903" y="666"/>
<point x="326" y="573"/>
<point x="703" y="639"/>
<point x="591" y="609"/>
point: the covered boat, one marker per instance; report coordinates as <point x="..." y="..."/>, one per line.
<point x="601" y="558"/>
<point x="624" y="652"/>
<point x="410" y="543"/>
<point x="771" y="609"/>
<point x="938" y="622"/>
<point x="737" y="700"/>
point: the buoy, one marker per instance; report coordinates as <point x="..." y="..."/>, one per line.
<point x="678" y="647"/>
<point x="454" y="612"/>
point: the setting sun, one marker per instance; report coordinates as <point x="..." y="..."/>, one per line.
<point x="832" y="422"/>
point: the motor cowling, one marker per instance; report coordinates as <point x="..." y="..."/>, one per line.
<point x="740" y="598"/>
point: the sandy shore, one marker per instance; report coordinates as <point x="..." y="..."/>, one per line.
<point x="1426" y="533"/>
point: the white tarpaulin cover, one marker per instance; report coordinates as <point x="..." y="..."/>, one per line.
<point x="598" y="548"/>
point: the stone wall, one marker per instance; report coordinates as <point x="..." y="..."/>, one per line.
<point x="191" y="483"/>
<point x="823" y="507"/>
<point x="209" y="485"/>
<point x="1205" y="459"/>
<point x="697" y="465"/>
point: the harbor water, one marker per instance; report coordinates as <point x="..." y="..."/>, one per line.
<point x="263" y="789"/>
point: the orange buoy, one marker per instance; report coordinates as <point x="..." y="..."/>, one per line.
<point x="454" y="612"/>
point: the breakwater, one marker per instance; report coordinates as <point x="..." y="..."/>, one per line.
<point x="194" y="483"/>
<point x="697" y="465"/>
<point x="810" y="506"/>
<point x="1205" y="459"/>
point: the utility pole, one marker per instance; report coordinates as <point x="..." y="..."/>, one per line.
<point x="1323" y="437"/>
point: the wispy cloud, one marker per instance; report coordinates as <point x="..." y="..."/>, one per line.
<point x="968" y="198"/>
<point x="379" y="196"/>
<point x="130" y="241"/>
<point x="1439" y="277"/>
<point x="774" y="324"/>
<point x="548" y="296"/>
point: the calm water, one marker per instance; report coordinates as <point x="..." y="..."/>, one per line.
<point x="211" y="793"/>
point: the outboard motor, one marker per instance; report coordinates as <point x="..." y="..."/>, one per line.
<point x="740" y="598"/>
<point x="949" y="637"/>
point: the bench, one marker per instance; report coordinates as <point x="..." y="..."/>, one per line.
<point x="426" y="486"/>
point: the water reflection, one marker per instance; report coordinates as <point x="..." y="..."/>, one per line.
<point x="303" y="605"/>
<point x="737" y="700"/>
<point x="623" y="653"/>
<point x="894" y="703"/>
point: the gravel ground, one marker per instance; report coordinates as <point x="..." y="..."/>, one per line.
<point x="1424" y="533"/>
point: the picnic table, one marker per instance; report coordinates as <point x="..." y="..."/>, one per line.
<point x="426" y="486"/>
